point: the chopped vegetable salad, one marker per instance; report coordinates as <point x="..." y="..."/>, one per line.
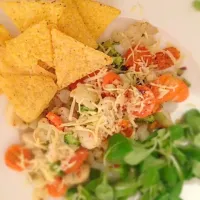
<point x="100" y="134"/>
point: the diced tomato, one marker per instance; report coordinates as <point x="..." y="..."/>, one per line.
<point x="73" y="86"/>
<point x="148" y="102"/>
<point x="55" y="120"/>
<point x="109" y="78"/>
<point x="162" y="59"/>
<point x="157" y="107"/>
<point x="141" y="54"/>
<point x="126" y="127"/>
<point x="80" y="156"/>
<point x="12" y="157"/>
<point x="57" y="188"/>
<point x="176" y="89"/>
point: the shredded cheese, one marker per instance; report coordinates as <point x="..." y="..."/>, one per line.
<point x="72" y="109"/>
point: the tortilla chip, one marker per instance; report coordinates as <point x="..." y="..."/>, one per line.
<point x="96" y="16"/>
<point x="64" y="15"/>
<point x="29" y="95"/>
<point x="24" y="52"/>
<point x="4" y="35"/>
<point x="27" y="13"/>
<point x="73" y="60"/>
<point x="72" y="24"/>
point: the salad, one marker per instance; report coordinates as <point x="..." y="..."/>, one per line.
<point x="107" y="135"/>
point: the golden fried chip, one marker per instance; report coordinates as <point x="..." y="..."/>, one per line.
<point x="24" y="52"/>
<point x="64" y="15"/>
<point x="27" y="13"/>
<point x="96" y="16"/>
<point x="29" y="95"/>
<point x="72" y="24"/>
<point x="4" y="35"/>
<point x="73" y="60"/>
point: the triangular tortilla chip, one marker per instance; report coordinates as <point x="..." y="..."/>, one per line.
<point x="73" y="60"/>
<point x="27" y="13"/>
<point x="4" y="35"/>
<point x="64" y="15"/>
<point x="96" y="16"/>
<point x="29" y="95"/>
<point x="72" y="24"/>
<point x="24" y="52"/>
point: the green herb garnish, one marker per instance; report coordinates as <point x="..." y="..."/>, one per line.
<point x="69" y="138"/>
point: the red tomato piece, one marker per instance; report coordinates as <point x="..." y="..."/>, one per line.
<point x="162" y="59"/>
<point x="148" y="102"/>
<point x="57" y="188"/>
<point x="12" y="157"/>
<point x="126" y="127"/>
<point x="55" y="120"/>
<point x="80" y="156"/>
<point x="141" y="54"/>
<point x="109" y="78"/>
<point x="176" y="89"/>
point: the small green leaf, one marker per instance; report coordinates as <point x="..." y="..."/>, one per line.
<point x="196" y="169"/>
<point x="192" y="118"/>
<point x="164" y="196"/>
<point x="137" y="155"/>
<point x="176" y="132"/>
<point x="197" y="140"/>
<point x="187" y="169"/>
<point x="92" y="185"/>
<point x="71" y="193"/>
<point x="94" y="174"/>
<point x="121" y="171"/>
<point x="149" y="178"/>
<point x="152" y="135"/>
<point x="154" y="162"/>
<point x="104" y="192"/>
<point x="119" y="146"/>
<point x="191" y="151"/>
<point x="169" y="175"/>
<point x="176" y="190"/>
<point x="180" y="156"/>
<point x="125" y="188"/>
<point x="84" y="193"/>
<point x="146" y="196"/>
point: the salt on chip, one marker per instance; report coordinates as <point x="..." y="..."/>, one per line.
<point x="4" y="35"/>
<point x="29" y="95"/>
<point x="73" y="60"/>
<point x="96" y="16"/>
<point x="72" y="24"/>
<point x="27" y="13"/>
<point x="24" y="52"/>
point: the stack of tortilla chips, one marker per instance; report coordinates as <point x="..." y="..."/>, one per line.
<point x="56" y="47"/>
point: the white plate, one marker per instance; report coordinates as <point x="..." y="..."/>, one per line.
<point x="13" y="185"/>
